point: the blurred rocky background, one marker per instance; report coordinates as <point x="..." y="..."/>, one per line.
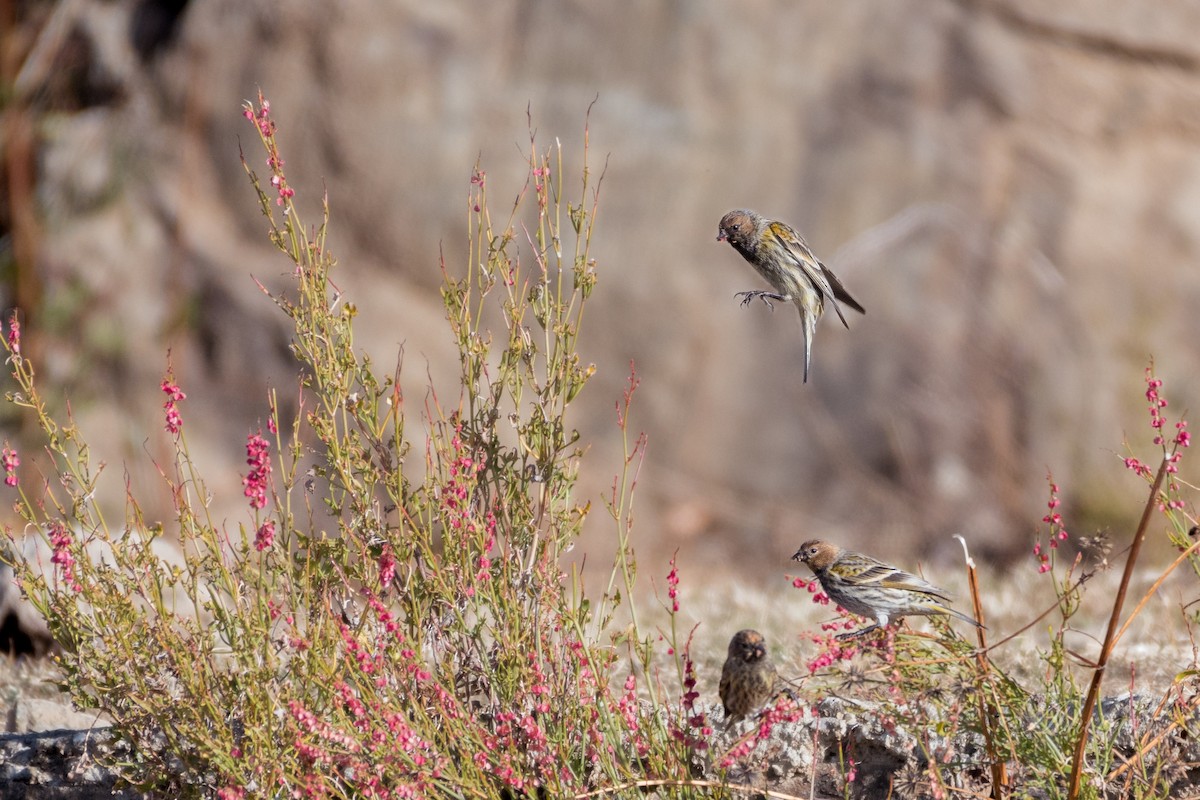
<point x="1010" y="187"/>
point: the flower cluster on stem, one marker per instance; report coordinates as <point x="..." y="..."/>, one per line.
<point x="174" y="422"/>
<point x="10" y="460"/>
<point x="258" y="457"/>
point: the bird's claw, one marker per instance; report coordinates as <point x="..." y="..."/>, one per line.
<point x="766" y="297"/>
<point x="788" y="693"/>
<point x="843" y="637"/>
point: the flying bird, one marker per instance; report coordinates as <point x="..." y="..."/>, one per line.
<point x="783" y="259"/>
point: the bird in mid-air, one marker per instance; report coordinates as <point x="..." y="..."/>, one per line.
<point x="748" y="677"/>
<point x="783" y="258"/>
<point x="872" y="589"/>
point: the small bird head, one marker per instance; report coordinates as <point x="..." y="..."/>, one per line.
<point x="748" y="646"/>
<point x="738" y="228"/>
<point x="818" y="555"/>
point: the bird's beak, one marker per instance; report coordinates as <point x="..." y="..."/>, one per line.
<point x="796" y="555"/>
<point x="721" y="236"/>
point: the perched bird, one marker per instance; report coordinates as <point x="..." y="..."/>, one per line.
<point x="782" y="257"/>
<point x="872" y="589"/>
<point x="748" y="677"/>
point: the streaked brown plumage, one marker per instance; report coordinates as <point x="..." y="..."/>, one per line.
<point x="748" y="678"/>
<point x="872" y="589"/>
<point x="782" y="257"/>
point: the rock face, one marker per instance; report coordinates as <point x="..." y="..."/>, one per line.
<point x="1011" y="189"/>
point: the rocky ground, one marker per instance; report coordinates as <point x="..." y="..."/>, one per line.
<point x="801" y="760"/>
<point x="53" y="751"/>
<point x="60" y="765"/>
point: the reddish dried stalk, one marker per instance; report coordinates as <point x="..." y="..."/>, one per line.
<point x="1110" y="636"/>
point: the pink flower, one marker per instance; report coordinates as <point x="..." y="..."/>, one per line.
<point x="61" y="541"/>
<point x="1157" y="402"/>
<point x="259" y="459"/>
<point x="11" y="461"/>
<point x="174" y="395"/>
<point x="14" y="334"/>
<point x="387" y="566"/>
<point x="673" y="586"/>
<point x="1137" y="467"/>
<point x="1058" y="532"/>
<point x="264" y="537"/>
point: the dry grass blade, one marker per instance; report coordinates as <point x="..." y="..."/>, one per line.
<point x="986" y="711"/>
<point x="1154" y="589"/>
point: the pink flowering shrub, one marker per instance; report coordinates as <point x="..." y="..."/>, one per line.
<point x="391" y="616"/>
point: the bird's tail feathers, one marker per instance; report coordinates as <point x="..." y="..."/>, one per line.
<point x="808" y="324"/>
<point x="963" y="617"/>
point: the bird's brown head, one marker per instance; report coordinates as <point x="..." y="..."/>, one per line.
<point x="748" y="646"/>
<point x="818" y="555"/>
<point x="739" y="228"/>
